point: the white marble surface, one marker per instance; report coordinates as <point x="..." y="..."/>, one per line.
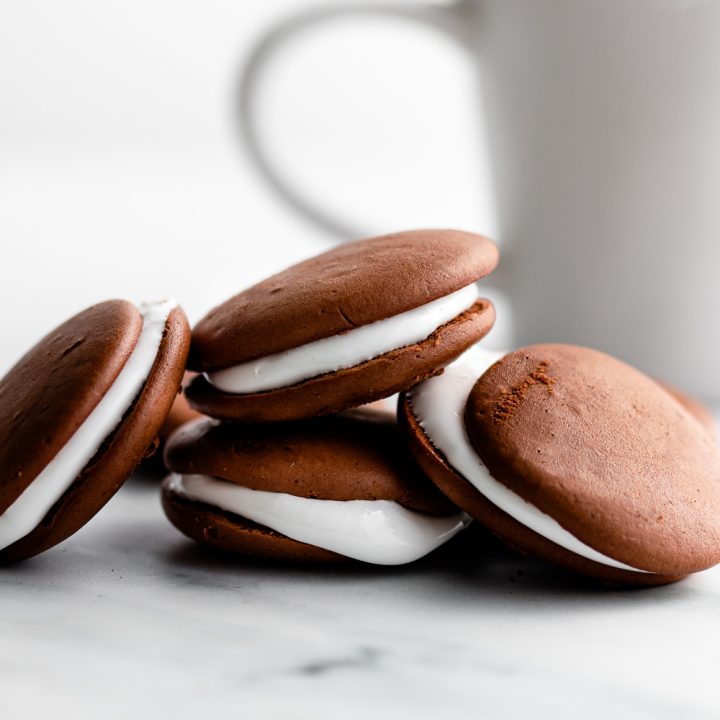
<point x="130" y="619"/>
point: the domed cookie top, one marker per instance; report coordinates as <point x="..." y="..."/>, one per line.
<point x="576" y="457"/>
<point x="347" y="287"/>
<point x="50" y="391"/>
<point x="352" y="325"/>
<point x="336" y="486"/>
<point x="78" y="412"/>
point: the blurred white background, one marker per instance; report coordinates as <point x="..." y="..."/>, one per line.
<point x="122" y="172"/>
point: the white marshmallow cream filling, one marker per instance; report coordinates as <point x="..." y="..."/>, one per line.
<point x="345" y="350"/>
<point x="374" y="531"/>
<point x="28" y="511"/>
<point x="438" y="405"/>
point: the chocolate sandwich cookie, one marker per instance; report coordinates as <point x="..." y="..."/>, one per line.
<point x="324" y="490"/>
<point x="353" y="325"/>
<point x="77" y="414"/>
<point x="574" y="456"/>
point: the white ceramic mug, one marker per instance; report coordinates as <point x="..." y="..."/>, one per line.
<point x="604" y="127"/>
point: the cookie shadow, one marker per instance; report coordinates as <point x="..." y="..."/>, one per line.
<point x="472" y="569"/>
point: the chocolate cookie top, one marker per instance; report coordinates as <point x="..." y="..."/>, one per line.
<point x="356" y="455"/>
<point x="352" y="285"/>
<point x="605" y="451"/>
<point x="53" y="388"/>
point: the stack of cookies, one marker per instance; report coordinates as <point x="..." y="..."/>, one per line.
<point x="288" y="467"/>
<point x="564" y="452"/>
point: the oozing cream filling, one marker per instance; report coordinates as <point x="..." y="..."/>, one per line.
<point x="374" y="531"/>
<point x="344" y="350"/>
<point x="438" y="405"/>
<point x="28" y="511"/>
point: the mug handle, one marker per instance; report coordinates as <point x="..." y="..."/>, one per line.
<point x="449" y="18"/>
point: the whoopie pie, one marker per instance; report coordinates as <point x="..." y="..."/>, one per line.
<point x="355" y="324"/>
<point x="324" y="490"/>
<point x="77" y="414"/>
<point x="570" y="454"/>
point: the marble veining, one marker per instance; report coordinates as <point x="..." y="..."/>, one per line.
<point x="128" y="619"/>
